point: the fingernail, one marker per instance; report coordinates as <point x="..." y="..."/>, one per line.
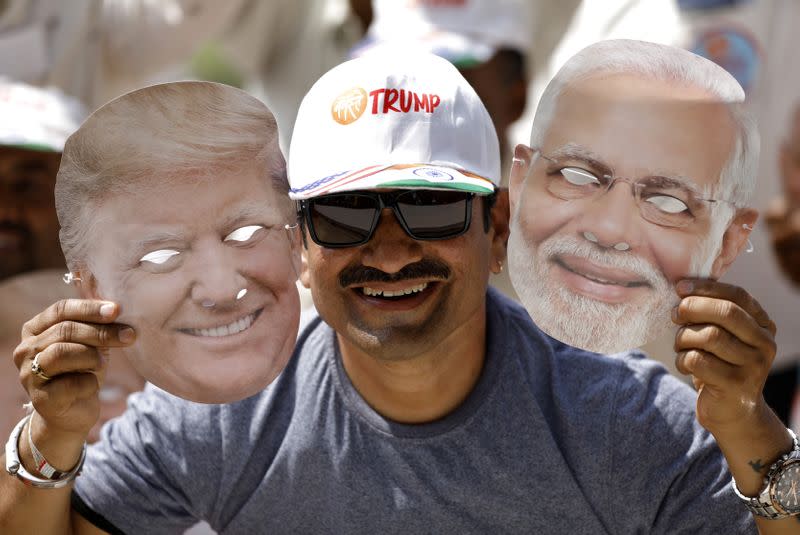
<point x="126" y="335"/>
<point x="685" y="286"/>
<point x="107" y="310"/>
<point x="674" y="313"/>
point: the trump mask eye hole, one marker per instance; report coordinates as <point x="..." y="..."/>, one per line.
<point x="244" y="235"/>
<point x="159" y="257"/>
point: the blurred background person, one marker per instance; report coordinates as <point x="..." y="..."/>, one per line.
<point x="95" y="50"/>
<point x="281" y="47"/>
<point x="782" y="390"/>
<point x="783" y="215"/>
<point x="34" y="123"/>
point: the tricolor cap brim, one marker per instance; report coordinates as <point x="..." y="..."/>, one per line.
<point x="397" y="176"/>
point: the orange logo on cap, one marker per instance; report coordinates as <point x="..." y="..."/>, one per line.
<point x="349" y="106"/>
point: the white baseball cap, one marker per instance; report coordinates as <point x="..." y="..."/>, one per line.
<point x="393" y="119"/>
<point x="464" y="32"/>
<point x="34" y="118"/>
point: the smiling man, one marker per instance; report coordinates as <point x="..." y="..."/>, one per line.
<point x="418" y="402"/>
<point x="639" y="175"/>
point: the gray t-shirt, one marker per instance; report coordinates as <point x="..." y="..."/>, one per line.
<point x="551" y="440"/>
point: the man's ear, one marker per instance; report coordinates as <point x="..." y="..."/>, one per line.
<point x="305" y="275"/>
<point x="734" y="240"/>
<point x="520" y="165"/>
<point x="500" y="216"/>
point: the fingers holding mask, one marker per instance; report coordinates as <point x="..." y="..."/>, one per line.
<point x="60" y="360"/>
<point x="725" y="320"/>
<point x="72" y="321"/>
<point x="726" y="343"/>
<point x="71" y="310"/>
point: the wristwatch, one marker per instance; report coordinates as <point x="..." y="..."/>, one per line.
<point x="780" y="496"/>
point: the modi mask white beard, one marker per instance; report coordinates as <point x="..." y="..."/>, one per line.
<point x="578" y="320"/>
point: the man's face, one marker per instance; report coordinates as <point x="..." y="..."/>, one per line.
<point x="28" y="222"/>
<point x="443" y="284"/>
<point x="594" y="271"/>
<point x="205" y="272"/>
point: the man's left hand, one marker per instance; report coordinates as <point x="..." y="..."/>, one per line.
<point x="727" y="343"/>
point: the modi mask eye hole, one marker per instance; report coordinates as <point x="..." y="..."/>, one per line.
<point x="243" y="234"/>
<point x="578" y="177"/>
<point x="159" y="257"/>
<point x="668" y="204"/>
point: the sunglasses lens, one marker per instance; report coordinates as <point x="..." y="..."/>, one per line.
<point x="341" y="220"/>
<point x="431" y="214"/>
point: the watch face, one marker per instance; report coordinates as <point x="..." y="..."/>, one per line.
<point x="787" y="488"/>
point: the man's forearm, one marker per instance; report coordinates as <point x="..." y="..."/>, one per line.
<point x="25" y="509"/>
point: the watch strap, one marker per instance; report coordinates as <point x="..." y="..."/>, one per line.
<point x="762" y="504"/>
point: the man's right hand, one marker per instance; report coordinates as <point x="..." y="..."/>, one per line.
<point x="69" y="337"/>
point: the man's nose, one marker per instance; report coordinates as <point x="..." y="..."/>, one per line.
<point x="218" y="279"/>
<point x="612" y="219"/>
<point x="390" y="248"/>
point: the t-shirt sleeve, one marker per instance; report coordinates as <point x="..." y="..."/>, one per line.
<point x="151" y="471"/>
<point x="680" y="482"/>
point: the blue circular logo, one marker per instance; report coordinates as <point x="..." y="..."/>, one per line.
<point x="432" y="174"/>
<point x="733" y="49"/>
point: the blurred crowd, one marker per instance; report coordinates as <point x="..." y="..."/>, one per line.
<point x="60" y="60"/>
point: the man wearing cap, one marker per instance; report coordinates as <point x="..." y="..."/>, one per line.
<point x="486" y="40"/>
<point x="417" y="402"/>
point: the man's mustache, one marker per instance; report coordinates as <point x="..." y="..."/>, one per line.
<point x="427" y="268"/>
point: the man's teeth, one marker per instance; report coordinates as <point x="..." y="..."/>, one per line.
<point x="225" y="330"/>
<point x="393" y="293"/>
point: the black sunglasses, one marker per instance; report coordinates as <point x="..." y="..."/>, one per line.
<point x="350" y="219"/>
